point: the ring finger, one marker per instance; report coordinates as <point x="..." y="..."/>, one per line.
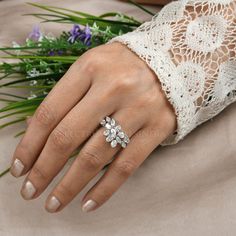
<point x="91" y="159"/>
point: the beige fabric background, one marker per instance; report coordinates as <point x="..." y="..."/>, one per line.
<point x="186" y="189"/>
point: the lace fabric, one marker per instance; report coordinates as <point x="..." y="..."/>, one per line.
<point x="191" y="46"/>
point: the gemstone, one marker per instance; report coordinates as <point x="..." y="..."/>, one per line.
<point x="113" y="131"/>
<point x="123" y="144"/>
<point x="118" y="139"/>
<point x="108" y="119"/>
<point x="113" y="135"/>
<point x="113" y="123"/>
<point x="108" y="126"/>
<point x="106" y="132"/>
<point x="126" y="139"/>
<point x="118" y="128"/>
<point x="121" y="134"/>
<point x="109" y="138"/>
<point x="113" y="143"/>
<point x="103" y="122"/>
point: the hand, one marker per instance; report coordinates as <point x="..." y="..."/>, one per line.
<point x="109" y="80"/>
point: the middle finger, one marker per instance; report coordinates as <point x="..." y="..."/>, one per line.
<point x="91" y="159"/>
<point x="71" y="132"/>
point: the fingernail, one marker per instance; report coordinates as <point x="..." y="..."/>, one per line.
<point x="53" y="204"/>
<point x="17" y="168"/>
<point x="28" y="190"/>
<point x="89" y="206"/>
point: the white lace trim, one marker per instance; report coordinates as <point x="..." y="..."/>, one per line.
<point x="191" y="46"/>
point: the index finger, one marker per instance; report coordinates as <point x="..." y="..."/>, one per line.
<point x="63" y="97"/>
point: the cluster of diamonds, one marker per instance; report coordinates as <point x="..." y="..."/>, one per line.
<point x="113" y="132"/>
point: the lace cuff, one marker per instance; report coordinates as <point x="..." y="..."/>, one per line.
<point x="191" y="46"/>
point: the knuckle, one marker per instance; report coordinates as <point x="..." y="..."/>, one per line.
<point x="147" y="101"/>
<point x="123" y="84"/>
<point x="90" y="158"/>
<point x="124" y="168"/>
<point x="39" y="173"/>
<point x="65" y="191"/>
<point x="44" y="115"/>
<point x="118" y="87"/>
<point x="104" y="194"/>
<point x="89" y="63"/>
<point x="61" y="139"/>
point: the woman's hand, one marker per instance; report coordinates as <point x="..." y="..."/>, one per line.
<point x="109" y="80"/>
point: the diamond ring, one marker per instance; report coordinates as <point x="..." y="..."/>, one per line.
<point x="114" y="133"/>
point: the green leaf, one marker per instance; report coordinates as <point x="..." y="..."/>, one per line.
<point x="87" y="17"/>
<point x="22" y="104"/>
<point x="30" y="87"/>
<point x="4" y="172"/>
<point x="26" y="110"/>
<point x="142" y="8"/>
<point x="66" y="59"/>
<point x="18" y="48"/>
<point x="114" y="14"/>
<point x="37" y="78"/>
<point x="12" y="95"/>
<point x="19" y="134"/>
<point x="7" y="100"/>
<point x="12" y="122"/>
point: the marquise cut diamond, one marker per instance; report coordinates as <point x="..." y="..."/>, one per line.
<point x="106" y="132"/>
<point x="108" y="119"/>
<point x="103" y="122"/>
<point x="113" y="123"/>
<point x="114" y="133"/>
<point x="108" y="126"/>
<point x="113" y="143"/>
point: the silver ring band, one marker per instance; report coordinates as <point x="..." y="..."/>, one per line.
<point x="114" y="133"/>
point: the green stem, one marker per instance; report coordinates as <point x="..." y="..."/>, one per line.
<point x="141" y="7"/>
<point x="4" y="172"/>
<point x="12" y="95"/>
<point x="12" y="122"/>
<point x="19" y="134"/>
<point x="30" y="86"/>
<point x="26" y="110"/>
<point x="19" y="48"/>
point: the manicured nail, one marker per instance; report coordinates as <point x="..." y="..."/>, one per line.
<point x="89" y="206"/>
<point x="28" y="190"/>
<point x="53" y="204"/>
<point x="17" y="168"/>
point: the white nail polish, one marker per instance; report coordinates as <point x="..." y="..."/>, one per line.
<point x="53" y="204"/>
<point x="28" y="190"/>
<point x="89" y="206"/>
<point x="17" y="168"/>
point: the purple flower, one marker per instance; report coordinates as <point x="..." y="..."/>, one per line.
<point x="60" y="52"/>
<point x="74" y="33"/>
<point x="51" y="53"/>
<point x="84" y="35"/>
<point x="35" y="34"/>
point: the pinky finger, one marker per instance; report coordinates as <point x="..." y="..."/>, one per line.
<point x="128" y="160"/>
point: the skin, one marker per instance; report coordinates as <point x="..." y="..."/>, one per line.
<point x="109" y="80"/>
